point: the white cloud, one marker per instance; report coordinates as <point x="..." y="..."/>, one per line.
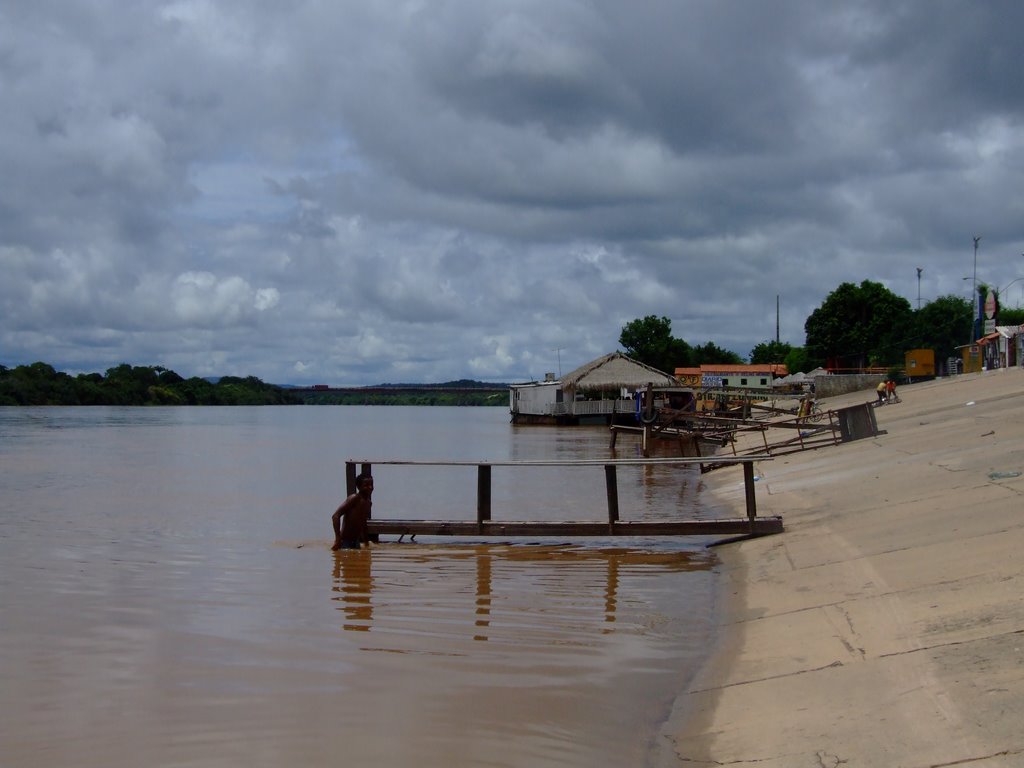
<point x="206" y="301"/>
<point x="472" y="186"/>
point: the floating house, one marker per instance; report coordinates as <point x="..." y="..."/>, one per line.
<point x="595" y="393"/>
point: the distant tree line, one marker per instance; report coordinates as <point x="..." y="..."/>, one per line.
<point x="414" y="394"/>
<point x="40" y="384"/>
<point x="421" y="397"/>
<point x="856" y="326"/>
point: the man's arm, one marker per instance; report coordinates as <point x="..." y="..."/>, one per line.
<point x="340" y="512"/>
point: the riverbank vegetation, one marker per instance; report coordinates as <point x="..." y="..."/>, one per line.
<point x="41" y="384"/>
<point x="460" y="393"/>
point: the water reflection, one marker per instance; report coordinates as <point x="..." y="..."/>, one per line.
<point x="396" y="585"/>
<point x="353" y="583"/>
<point x="611" y="592"/>
<point x="483" y="594"/>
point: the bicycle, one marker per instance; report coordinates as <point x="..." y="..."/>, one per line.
<point x="814" y="414"/>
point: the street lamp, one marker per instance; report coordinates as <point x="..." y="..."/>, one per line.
<point x="974" y="285"/>
<point x="919" y="271"/>
<point x="974" y="308"/>
<point x="1005" y="287"/>
<point x="1001" y="290"/>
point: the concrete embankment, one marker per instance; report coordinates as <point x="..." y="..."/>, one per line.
<point x="885" y="627"/>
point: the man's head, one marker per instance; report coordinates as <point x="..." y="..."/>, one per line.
<point x="364" y="483"/>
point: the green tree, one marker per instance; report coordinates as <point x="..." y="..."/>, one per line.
<point x="163" y="396"/>
<point x="770" y="352"/>
<point x="129" y="385"/>
<point x="1008" y="316"/>
<point x="90" y="389"/>
<point x="797" y="361"/>
<point x="650" y="341"/>
<point x="167" y="377"/>
<point x="197" y="391"/>
<point x="941" y="325"/>
<point x="38" y="384"/>
<point x="712" y="353"/>
<point x="859" y="325"/>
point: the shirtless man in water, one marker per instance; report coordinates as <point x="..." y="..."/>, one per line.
<point x="356" y="511"/>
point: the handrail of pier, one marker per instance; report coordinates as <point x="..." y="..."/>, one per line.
<point x="565" y="462"/>
<point x="752" y="525"/>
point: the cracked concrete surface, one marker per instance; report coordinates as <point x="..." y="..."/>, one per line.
<point x="885" y="628"/>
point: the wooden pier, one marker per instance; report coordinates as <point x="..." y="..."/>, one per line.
<point x="484" y="525"/>
<point x="691" y="429"/>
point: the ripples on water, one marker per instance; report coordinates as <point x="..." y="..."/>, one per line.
<point x="168" y="597"/>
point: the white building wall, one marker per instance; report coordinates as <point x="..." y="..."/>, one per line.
<point x="535" y="399"/>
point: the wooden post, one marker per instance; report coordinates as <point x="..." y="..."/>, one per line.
<point x="483" y="493"/>
<point x="350" y="478"/>
<point x="367" y="469"/>
<point x="748" y="487"/>
<point x="648" y="415"/>
<point x="612" y="489"/>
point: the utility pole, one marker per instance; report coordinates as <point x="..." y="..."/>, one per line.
<point x="919" y="271"/>
<point x="974" y="293"/>
<point x="777" y="338"/>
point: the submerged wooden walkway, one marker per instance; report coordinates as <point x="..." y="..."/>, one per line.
<point x="484" y="525"/>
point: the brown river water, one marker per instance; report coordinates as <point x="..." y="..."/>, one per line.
<point x="168" y="596"/>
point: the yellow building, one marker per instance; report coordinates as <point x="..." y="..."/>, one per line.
<point x="731" y="376"/>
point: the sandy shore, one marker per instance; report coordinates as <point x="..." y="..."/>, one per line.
<point x="886" y="626"/>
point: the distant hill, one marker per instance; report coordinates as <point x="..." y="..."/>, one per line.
<point x="459" y="392"/>
<point x="457" y="384"/>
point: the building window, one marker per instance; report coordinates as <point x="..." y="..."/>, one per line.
<point x="725" y="382"/>
<point x="743" y="382"/>
<point x="764" y="382"/>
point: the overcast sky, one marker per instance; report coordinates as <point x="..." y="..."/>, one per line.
<point x="364" y="192"/>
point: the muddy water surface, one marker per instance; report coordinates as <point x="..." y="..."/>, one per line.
<point x="168" y="596"/>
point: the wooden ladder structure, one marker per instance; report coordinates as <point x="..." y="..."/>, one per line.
<point x="690" y="430"/>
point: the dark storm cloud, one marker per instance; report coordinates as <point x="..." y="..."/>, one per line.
<point x="354" y="192"/>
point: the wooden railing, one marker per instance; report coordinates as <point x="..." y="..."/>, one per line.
<point x="593" y="407"/>
<point x="751" y="525"/>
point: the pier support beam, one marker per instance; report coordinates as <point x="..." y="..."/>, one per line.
<point x="748" y="489"/>
<point x="483" y="493"/>
<point x="611" y="484"/>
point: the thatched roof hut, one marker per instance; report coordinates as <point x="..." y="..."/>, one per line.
<point x="612" y="372"/>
